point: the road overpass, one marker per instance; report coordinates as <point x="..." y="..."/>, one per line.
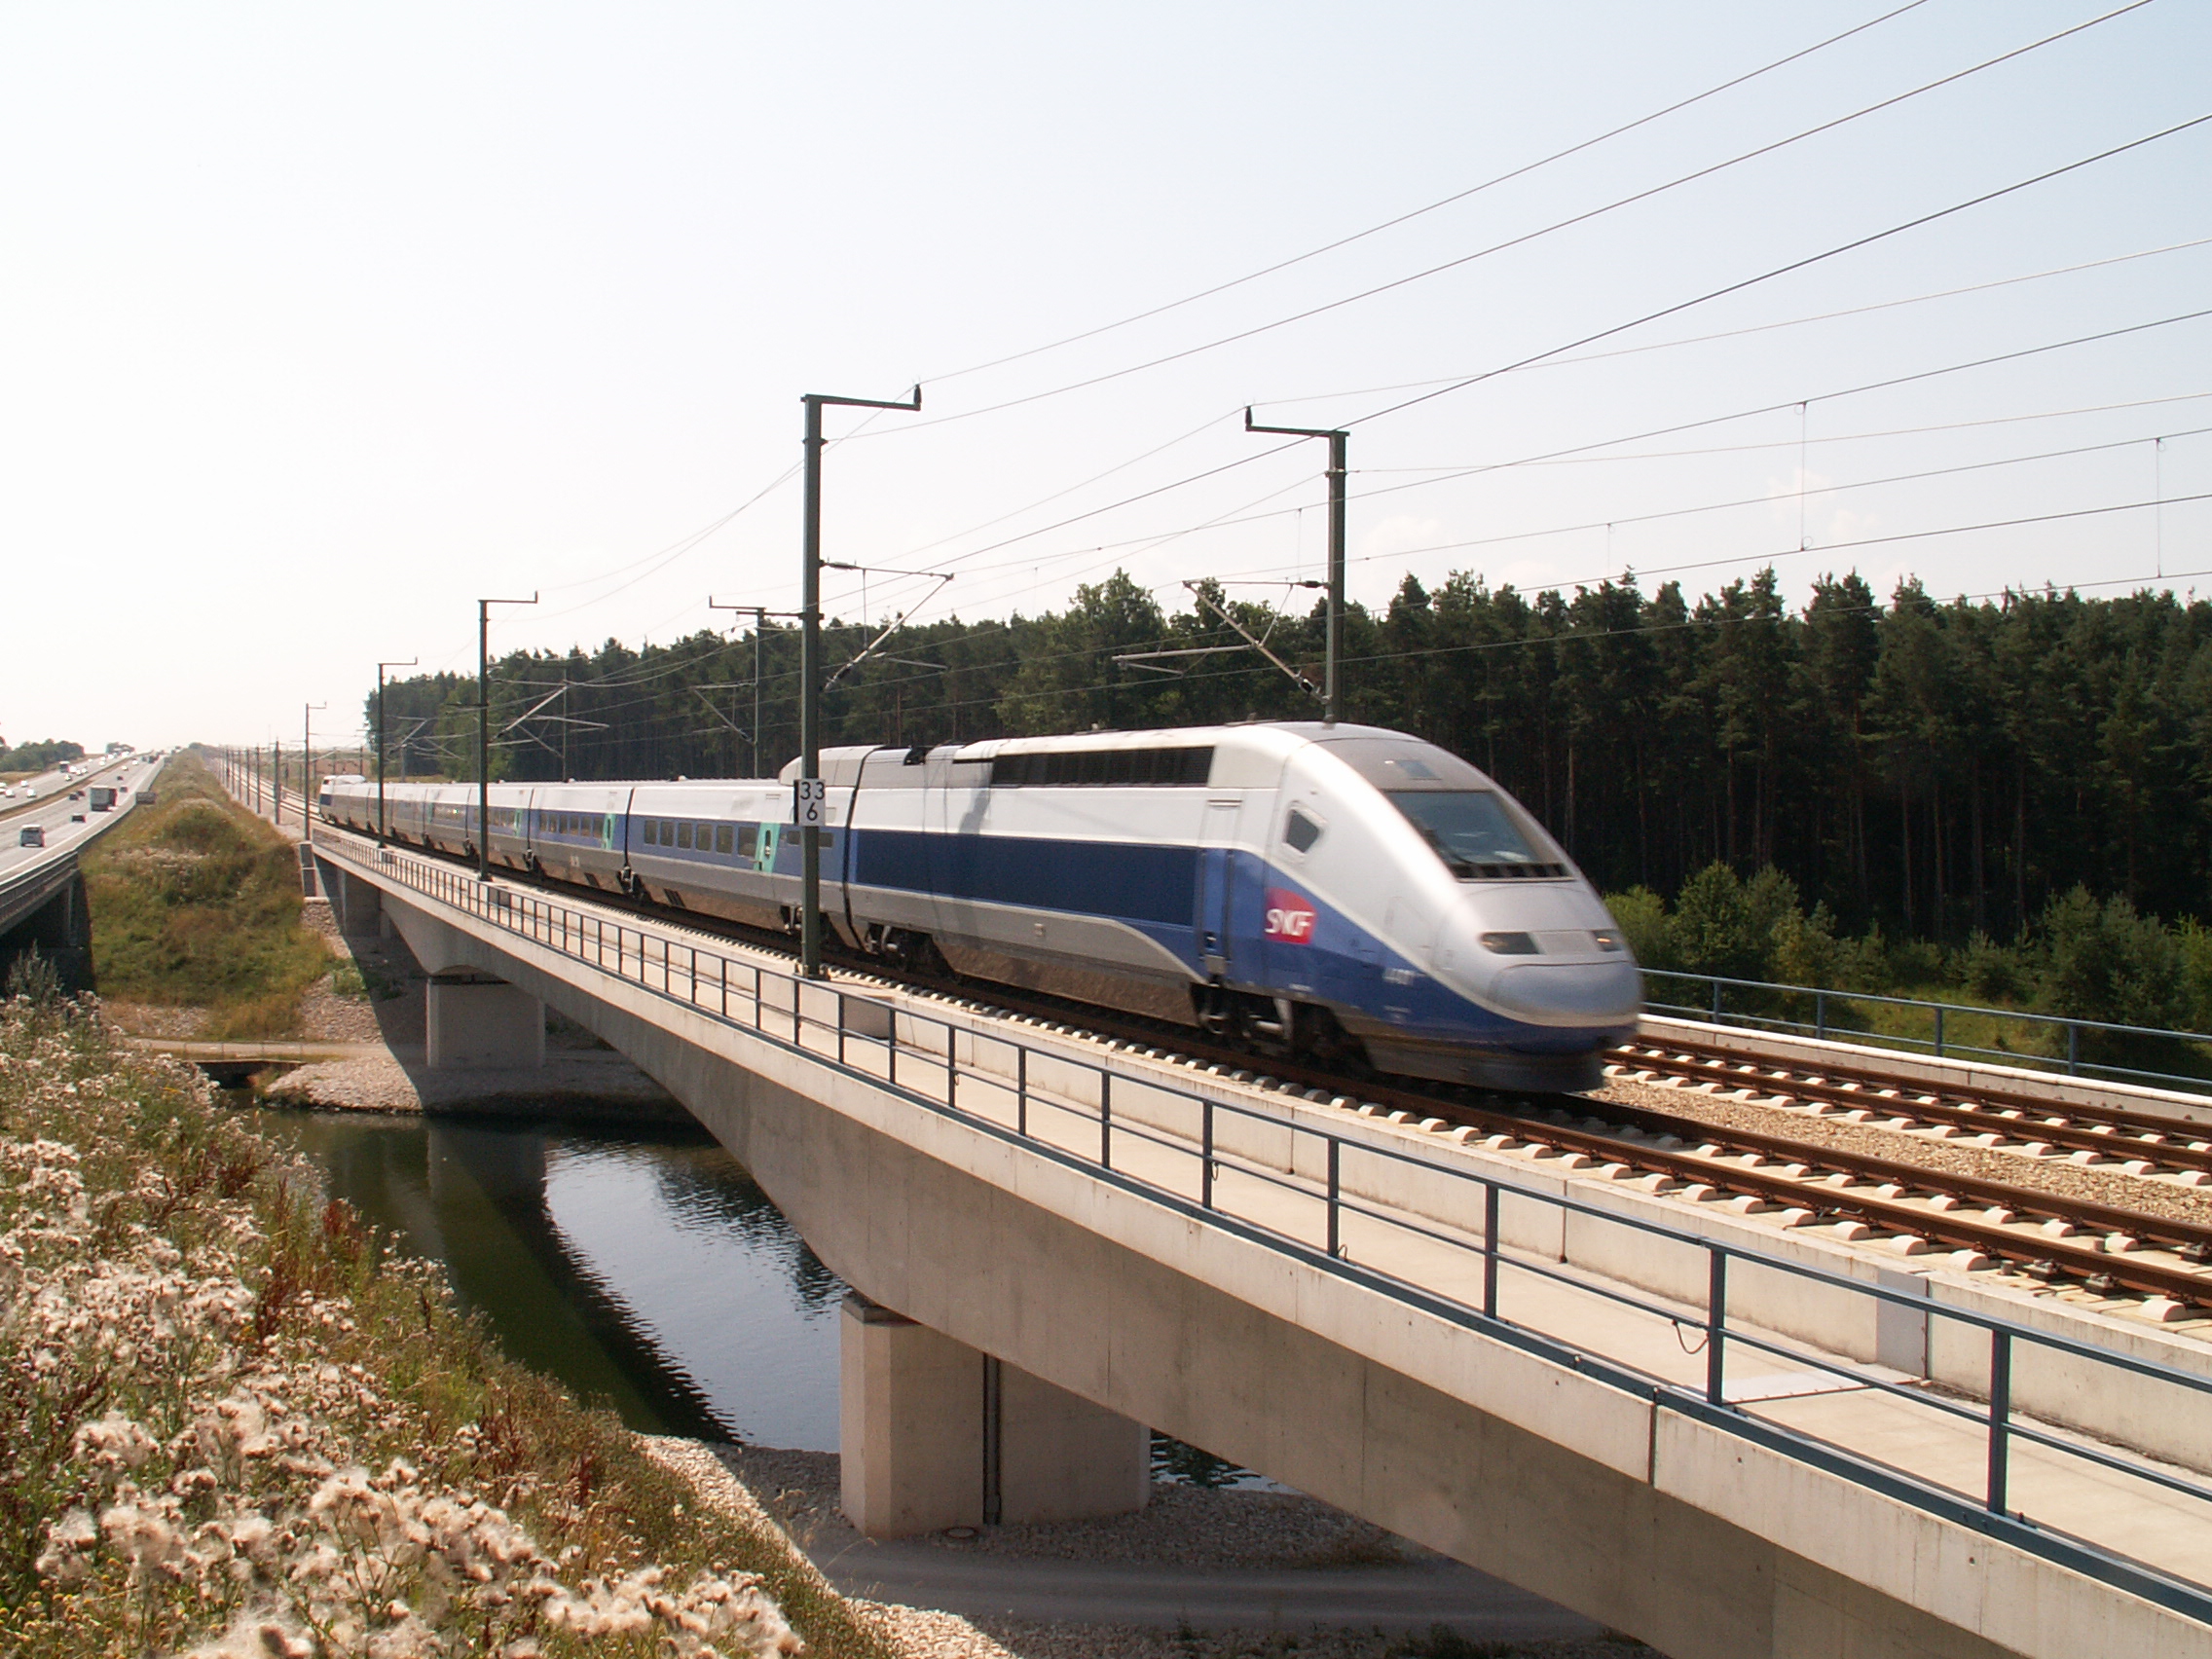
<point x="1679" y="1420"/>
<point x="42" y="892"/>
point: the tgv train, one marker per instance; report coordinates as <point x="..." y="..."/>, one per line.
<point x="1333" y="891"/>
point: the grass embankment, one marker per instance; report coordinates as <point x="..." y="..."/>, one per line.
<point x="195" y="903"/>
<point x="231" y="1422"/>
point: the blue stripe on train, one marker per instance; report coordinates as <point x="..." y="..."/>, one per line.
<point x="1130" y="882"/>
<point x="1154" y="889"/>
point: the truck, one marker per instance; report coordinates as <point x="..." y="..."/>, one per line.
<point x="102" y="797"/>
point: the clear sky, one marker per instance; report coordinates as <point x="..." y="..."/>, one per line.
<point x="318" y="324"/>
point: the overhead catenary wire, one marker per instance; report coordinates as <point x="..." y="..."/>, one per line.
<point x="1568" y="452"/>
<point x="1761" y="500"/>
<point x="1456" y="196"/>
<point x="1815" y="442"/>
<point x="1234" y="516"/>
<point x="1796" y="265"/>
<point x="1584" y="217"/>
<point x="1571" y="358"/>
<point x="1883" y="384"/>
<point x="668" y="554"/>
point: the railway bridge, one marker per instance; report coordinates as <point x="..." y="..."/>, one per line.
<point x="1672" y="1419"/>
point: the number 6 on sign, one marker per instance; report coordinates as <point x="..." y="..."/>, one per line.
<point x="810" y="803"/>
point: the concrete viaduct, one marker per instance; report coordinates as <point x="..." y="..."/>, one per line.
<point x="1057" y="1246"/>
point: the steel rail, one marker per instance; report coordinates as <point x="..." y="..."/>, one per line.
<point x="2182" y="1142"/>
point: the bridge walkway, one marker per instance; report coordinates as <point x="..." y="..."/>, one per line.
<point x="1888" y="1416"/>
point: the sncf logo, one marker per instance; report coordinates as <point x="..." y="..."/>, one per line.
<point x="1290" y="918"/>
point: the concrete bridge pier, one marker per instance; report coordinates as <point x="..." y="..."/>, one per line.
<point x="479" y="1023"/>
<point x="933" y="1433"/>
<point x="355" y="905"/>
<point x="60" y="930"/>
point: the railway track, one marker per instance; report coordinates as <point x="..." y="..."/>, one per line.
<point x="2107" y="1249"/>
<point x="2141" y="1143"/>
<point x="2052" y="1236"/>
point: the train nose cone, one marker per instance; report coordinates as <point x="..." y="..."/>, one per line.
<point x="1571" y="990"/>
<point x="1546" y="975"/>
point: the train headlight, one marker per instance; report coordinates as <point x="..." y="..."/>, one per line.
<point x="1605" y="941"/>
<point x="1510" y="943"/>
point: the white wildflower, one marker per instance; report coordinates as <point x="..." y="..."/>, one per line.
<point x="67" y="1542"/>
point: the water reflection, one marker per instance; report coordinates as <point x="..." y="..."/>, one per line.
<point x="649" y="1273"/>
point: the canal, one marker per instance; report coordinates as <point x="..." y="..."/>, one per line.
<point x="644" y="1270"/>
<point x="648" y="1272"/>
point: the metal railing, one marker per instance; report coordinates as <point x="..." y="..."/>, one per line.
<point x="1809" y="1011"/>
<point x="1320" y="1219"/>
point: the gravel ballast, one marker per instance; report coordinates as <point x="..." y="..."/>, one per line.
<point x="2054" y="1175"/>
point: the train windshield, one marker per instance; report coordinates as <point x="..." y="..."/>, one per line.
<point x="1470" y="830"/>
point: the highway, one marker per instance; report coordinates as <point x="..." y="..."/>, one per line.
<point x="17" y="795"/>
<point x="54" y="812"/>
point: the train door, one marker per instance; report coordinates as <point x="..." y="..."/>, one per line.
<point x="1217" y="847"/>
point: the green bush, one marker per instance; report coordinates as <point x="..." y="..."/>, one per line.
<point x="1805" y="949"/>
<point x="2106" y="962"/>
<point x="1643" y="917"/>
<point x="1990" y="971"/>
<point x="1713" y="929"/>
<point x="2195" y="941"/>
<point x="2086" y="958"/>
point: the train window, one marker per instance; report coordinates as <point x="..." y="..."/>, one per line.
<point x="1174" y="768"/>
<point x="704" y="839"/>
<point x="748" y="840"/>
<point x="684" y="835"/>
<point x="724" y="838"/>
<point x="668" y="833"/>
<point x="1301" y="831"/>
<point x="1472" y="832"/>
<point x="652" y="833"/>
